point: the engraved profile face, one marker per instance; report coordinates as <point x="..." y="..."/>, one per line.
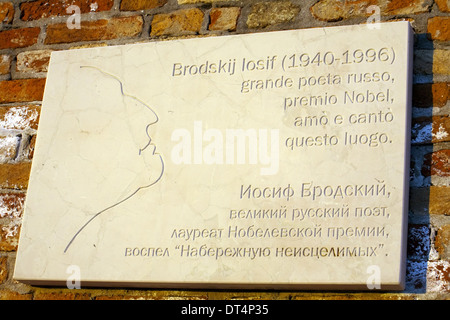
<point x="109" y="150"/>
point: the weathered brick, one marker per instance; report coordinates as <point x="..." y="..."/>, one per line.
<point x="430" y="130"/>
<point x="335" y="10"/>
<point x="29" y="150"/>
<point x="432" y="62"/>
<point x="90" y="45"/>
<point x="19" y="38"/>
<point x="264" y="14"/>
<point x="11" y="205"/>
<point x="439" y="201"/>
<point x="116" y="297"/>
<point x="15" y="175"/>
<point x="404" y="7"/>
<point x="438" y="276"/>
<point x="202" y="1"/>
<point x="6" y="12"/>
<point x="61" y="295"/>
<point x="5" y="63"/>
<point x="442" y="242"/>
<point x="9" y="236"/>
<point x="12" y="295"/>
<point x="9" y="145"/>
<point x="151" y="295"/>
<point x="23" y="117"/>
<point x="440" y="62"/>
<point x="39" y="9"/>
<point x="440" y="130"/>
<point x="439" y="28"/>
<point x="443" y="5"/>
<point x="95" y="30"/>
<point x="23" y="90"/>
<point x="431" y="95"/>
<point x="33" y="61"/>
<point x="224" y="19"/>
<point x="437" y="163"/>
<point x="178" y="23"/>
<point x="333" y="296"/>
<point x="3" y="269"/>
<point x="134" y="5"/>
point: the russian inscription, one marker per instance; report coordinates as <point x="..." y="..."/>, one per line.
<point x="274" y="160"/>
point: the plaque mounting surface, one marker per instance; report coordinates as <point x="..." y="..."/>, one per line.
<point x="269" y="160"/>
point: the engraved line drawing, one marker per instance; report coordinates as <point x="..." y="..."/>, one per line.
<point x="149" y="144"/>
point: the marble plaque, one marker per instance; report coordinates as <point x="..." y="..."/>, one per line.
<point x="274" y="160"/>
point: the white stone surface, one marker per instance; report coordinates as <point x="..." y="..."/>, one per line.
<point x="138" y="178"/>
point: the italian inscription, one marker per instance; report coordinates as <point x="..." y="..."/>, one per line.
<point x="323" y="95"/>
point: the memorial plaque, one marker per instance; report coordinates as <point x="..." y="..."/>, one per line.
<point x="274" y="160"/>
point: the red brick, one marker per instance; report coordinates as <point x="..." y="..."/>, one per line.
<point x="443" y="5"/>
<point x="15" y="175"/>
<point x="181" y="2"/>
<point x="29" y="152"/>
<point x="442" y="242"/>
<point x="265" y="14"/>
<point x="437" y="163"/>
<point x="19" y="117"/>
<point x="438" y="276"/>
<point x="431" y="62"/>
<point x="439" y="28"/>
<point x="9" y="236"/>
<point x="3" y="269"/>
<point x="11" y="295"/>
<point x="440" y="129"/>
<point x="34" y="10"/>
<point x="9" y="145"/>
<point x="440" y="62"/>
<point x="135" y="5"/>
<point x="6" y="12"/>
<point x="430" y="130"/>
<point x="5" y="63"/>
<point x="63" y="295"/>
<point x="431" y="95"/>
<point x="178" y="23"/>
<point x="224" y="19"/>
<point x="11" y="205"/>
<point x="33" y="61"/>
<point x="405" y="6"/>
<point x="335" y="10"/>
<point x="95" y="30"/>
<point x="23" y="90"/>
<point x="19" y="38"/>
<point x="11" y="208"/>
<point x="439" y="200"/>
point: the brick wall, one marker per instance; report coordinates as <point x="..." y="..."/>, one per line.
<point x="31" y="30"/>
